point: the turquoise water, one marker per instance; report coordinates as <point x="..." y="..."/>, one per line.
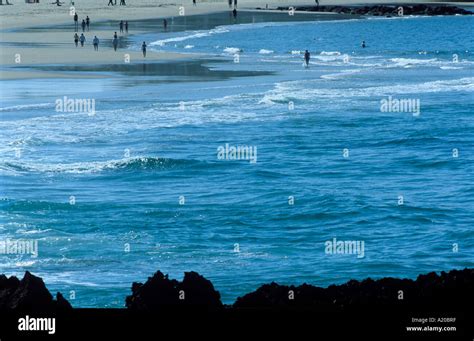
<point x="151" y="142"/>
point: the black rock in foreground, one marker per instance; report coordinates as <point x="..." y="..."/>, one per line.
<point x="30" y="294"/>
<point x="452" y="290"/>
<point x="159" y="292"/>
<point x="388" y="308"/>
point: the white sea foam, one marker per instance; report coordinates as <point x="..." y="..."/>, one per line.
<point x="28" y="107"/>
<point x="450" y="67"/>
<point x="232" y="50"/>
<point x="411" y="62"/>
<point x="264" y="51"/>
<point x="194" y="35"/>
<point x="330" y="53"/>
<point x="311" y="90"/>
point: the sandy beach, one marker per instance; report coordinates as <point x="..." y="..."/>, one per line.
<point x="21" y="46"/>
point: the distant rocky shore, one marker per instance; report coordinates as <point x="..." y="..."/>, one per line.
<point x="383" y="10"/>
<point x="452" y="290"/>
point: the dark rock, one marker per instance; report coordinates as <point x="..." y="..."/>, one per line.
<point x="62" y="303"/>
<point x="29" y="294"/>
<point x="159" y="291"/>
<point x="384" y="10"/>
<point x="451" y="290"/>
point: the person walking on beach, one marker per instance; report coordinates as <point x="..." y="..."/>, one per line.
<point x="230" y="3"/>
<point x="95" y="42"/>
<point x="76" y="39"/>
<point x="88" y="22"/>
<point x="144" y="49"/>
<point x="76" y="23"/>
<point x="121" y="26"/>
<point x="83" y="25"/>
<point x="126" y="26"/>
<point x="115" y="41"/>
<point x="194" y="2"/>
<point x="82" y="39"/>
<point x="235" y="3"/>
<point x="317" y="3"/>
<point x="307" y="56"/>
<point x="111" y="2"/>
<point x="122" y="3"/>
<point x="165" y="24"/>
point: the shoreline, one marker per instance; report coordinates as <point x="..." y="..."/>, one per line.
<point x="151" y="295"/>
<point x="52" y="44"/>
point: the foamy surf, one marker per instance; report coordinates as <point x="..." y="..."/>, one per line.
<point x="195" y="35"/>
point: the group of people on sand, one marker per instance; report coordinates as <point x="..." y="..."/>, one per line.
<point x="113" y="3"/>
<point x="85" y="23"/>
<point x="82" y="39"/>
<point x="123" y="26"/>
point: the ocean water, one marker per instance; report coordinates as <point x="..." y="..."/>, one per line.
<point x="320" y="136"/>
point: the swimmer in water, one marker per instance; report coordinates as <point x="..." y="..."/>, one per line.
<point x="363" y="44"/>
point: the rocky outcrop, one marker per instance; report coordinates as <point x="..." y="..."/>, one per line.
<point x="446" y="291"/>
<point x="159" y="292"/>
<point x="29" y="295"/>
<point x="385" y="10"/>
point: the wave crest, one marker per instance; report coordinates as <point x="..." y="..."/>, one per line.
<point x="127" y="164"/>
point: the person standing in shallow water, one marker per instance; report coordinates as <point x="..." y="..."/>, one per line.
<point x="115" y="41"/>
<point x="144" y="49"/>
<point x="83" y="25"/>
<point x="165" y="24"/>
<point x="126" y="27"/>
<point x="76" y="39"/>
<point x="307" y="57"/>
<point x="88" y="21"/>
<point x="121" y="26"/>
